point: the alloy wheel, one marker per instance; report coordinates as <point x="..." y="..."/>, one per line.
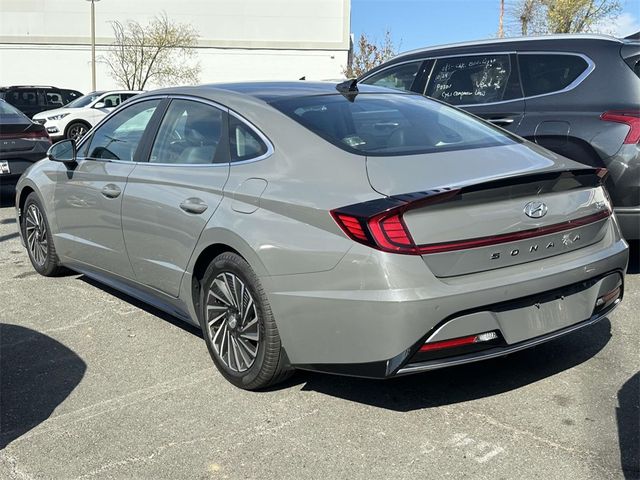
<point x="36" y="233"/>
<point x="232" y="322"/>
<point x="76" y="132"/>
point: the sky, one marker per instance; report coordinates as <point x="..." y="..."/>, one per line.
<point x="421" y="23"/>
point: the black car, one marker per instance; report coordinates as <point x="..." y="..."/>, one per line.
<point x="22" y="142"/>
<point x="577" y="95"/>
<point x="30" y="99"/>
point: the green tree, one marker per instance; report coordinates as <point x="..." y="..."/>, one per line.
<point x="562" y="16"/>
<point x="160" y="53"/>
<point x="369" y="54"/>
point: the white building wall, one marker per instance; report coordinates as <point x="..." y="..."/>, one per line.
<point x="47" y="42"/>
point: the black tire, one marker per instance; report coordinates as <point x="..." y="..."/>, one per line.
<point x="76" y="130"/>
<point x="44" y="261"/>
<point x="269" y="365"/>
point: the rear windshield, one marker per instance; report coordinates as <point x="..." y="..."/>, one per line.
<point x="391" y="124"/>
<point x="9" y="113"/>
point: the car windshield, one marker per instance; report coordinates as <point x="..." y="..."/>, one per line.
<point x="84" y="100"/>
<point x="391" y="124"/>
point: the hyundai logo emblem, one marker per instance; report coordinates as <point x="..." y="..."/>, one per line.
<point x="535" y="209"/>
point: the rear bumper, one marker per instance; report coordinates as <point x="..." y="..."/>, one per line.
<point x="374" y="328"/>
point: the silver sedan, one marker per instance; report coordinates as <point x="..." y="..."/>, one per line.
<point x="346" y="229"/>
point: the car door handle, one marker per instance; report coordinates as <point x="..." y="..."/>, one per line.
<point x="501" y="121"/>
<point x="194" y="205"/>
<point x="111" y="191"/>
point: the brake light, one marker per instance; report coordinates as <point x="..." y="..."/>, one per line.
<point x="39" y="135"/>
<point x="628" y="117"/>
<point x="388" y="232"/>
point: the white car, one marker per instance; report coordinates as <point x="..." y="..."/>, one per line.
<point x="76" y="118"/>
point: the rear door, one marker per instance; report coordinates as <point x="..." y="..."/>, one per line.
<point x="486" y="85"/>
<point x="170" y="198"/>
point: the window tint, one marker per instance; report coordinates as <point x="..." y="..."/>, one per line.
<point x="391" y="124"/>
<point x="189" y="134"/>
<point x="23" y="97"/>
<point x="400" y="77"/>
<point x="546" y="73"/>
<point x="472" y="80"/>
<point x="118" y="137"/>
<point x="245" y="144"/>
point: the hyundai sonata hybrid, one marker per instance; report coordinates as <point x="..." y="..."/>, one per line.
<point x="347" y="229"/>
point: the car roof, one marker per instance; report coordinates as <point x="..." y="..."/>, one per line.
<point x="266" y="91"/>
<point x="508" y="41"/>
<point x="271" y="91"/>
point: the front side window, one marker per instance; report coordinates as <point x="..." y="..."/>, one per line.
<point x="391" y="124"/>
<point x="547" y="73"/>
<point x="400" y="77"/>
<point x="244" y="143"/>
<point x="118" y="138"/>
<point x="472" y="80"/>
<point x="189" y="134"/>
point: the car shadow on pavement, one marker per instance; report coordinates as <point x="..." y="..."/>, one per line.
<point x="628" y="416"/>
<point x="37" y="373"/>
<point x="467" y="382"/>
<point x="7" y="195"/>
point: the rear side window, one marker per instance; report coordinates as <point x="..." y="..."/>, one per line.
<point x="391" y="124"/>
<point x="245" y="144"/>
<point x="547" y="73"/>
<point x="22" y="97"/>
<point x="473" y="80"/>
<point x="400" y="77"/>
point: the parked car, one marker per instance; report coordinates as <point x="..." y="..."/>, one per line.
<point x="577" y="95"/>
<point x="22" y="143"/>
<point x="31" y="99"/>
<point x="77" y="118"/>
<point x="351" y="230"/>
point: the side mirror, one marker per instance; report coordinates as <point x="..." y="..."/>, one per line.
<point x="63" y="151"/>
<point x="99" y="105"/>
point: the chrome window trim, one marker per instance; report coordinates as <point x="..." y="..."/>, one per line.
<point x="219" y="106"/>
<point x="590" y="68"/>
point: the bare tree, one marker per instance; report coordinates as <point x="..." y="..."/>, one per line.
<point x="159" y="53"/>
<point x="369" y="54"/>
<point x="562" y="16"/>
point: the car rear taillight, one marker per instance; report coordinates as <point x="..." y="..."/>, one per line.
<point x="628" y="117"/>
<point x="379" y="224"/>
<point x="388" y="232"/>
<point x="34" y="135"/>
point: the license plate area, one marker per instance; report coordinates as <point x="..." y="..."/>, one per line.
<point x="4" y="167"/>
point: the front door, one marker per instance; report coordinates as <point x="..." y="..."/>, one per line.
<point x="88" y="195"/>
<point x="170" y="198"/>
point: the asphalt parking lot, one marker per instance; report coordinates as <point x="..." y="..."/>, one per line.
<point x="96" y="385"/>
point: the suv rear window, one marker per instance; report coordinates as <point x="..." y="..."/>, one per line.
<point x="391" y="124"/>
<point x="547" y="73"/>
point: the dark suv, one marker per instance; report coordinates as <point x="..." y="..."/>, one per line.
<point x="30" y="99"/>
<point x="577" y="95"/>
